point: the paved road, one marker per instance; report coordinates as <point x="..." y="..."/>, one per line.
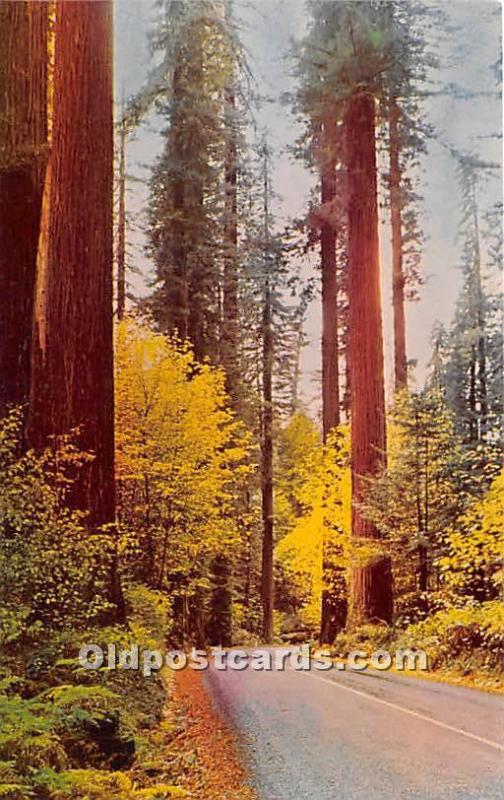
<point x="363" y="736"/>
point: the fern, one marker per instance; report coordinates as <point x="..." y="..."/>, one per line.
<point x="15" y="791"/>
<point x="69" y="695"/>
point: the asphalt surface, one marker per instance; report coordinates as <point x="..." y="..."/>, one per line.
<point x="373" y="735"/>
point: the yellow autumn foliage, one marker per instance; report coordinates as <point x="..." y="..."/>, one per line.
<point x="476" y="545"/>
<point x="323" y="493"/>
<point x="180" y="452"/>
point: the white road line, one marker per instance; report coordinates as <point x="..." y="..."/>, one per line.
<point x="409" y="711"/>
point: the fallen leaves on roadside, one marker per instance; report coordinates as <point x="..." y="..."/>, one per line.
<point x="207" y="745"/>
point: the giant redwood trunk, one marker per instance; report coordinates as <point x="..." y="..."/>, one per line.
<point x="371" y="582"/>
<point x="72" y="367"/>
<point x="23" y="151"/>
<point x="333" y="609"/>
<point x="400" y="358"/>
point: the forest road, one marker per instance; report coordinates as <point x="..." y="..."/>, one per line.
<point x="366" y="736"/>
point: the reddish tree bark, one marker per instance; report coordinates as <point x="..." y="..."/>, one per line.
<point x="371" y="584"/>
<point x="400" y="359"/>
<point x="72" y="367"/>
<point x="72" y="348"/>
<point x="23" y="149"/>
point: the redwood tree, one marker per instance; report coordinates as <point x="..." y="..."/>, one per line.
<point x="23" y="146"/>
<point x="72" y="353"/>
<point x="371" y="583"/>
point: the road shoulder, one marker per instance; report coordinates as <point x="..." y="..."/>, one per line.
<point x="207" y="745"/>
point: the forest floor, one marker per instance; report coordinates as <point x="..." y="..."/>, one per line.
<point x="207" y="753"/>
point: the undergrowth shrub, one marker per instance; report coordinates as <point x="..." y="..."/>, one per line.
<point x="366" y="637"/>
<point x="66" y="731"/>
<point x="467" y="638"/>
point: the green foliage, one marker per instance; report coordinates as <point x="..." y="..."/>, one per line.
<point x="90" y="784"/>
<point x="53" y="572"/>
<point x="470" y="355"/>
<point x="64" y="728"/>
<point x="419" y="494"/>
<point x="468" y="638"/>
<point x="149" y="610"/>
<point x="64" y="739"/>
<point x="186" y="230"/>
<point x="365" y="637"/>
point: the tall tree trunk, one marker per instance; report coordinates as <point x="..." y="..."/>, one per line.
<point x="267" y="584"/>
<point x="267" y="468"/>
<point x="294" y="392"/>
<point x="23" y="155"/>
<point x="371" y="584"/>
<point x="178" y="292"/>
<point x="72" y="362"/>
<point x="121" y="223"/>
<point x="229" y="338"/>
<point x="480" y="323"/>
<point x="333" y="614"/>
<point x="219" y="628"/>
<point x="330" y="376"/>
<point x="199" y="324"/>
<point x="219" y="624"/>
<point x="400" y="358"/>
<point x="473" y="411"/>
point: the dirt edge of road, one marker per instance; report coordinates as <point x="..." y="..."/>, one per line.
<point x="208" y="744"/>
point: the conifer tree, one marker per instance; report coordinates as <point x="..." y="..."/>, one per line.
<point x="72" y="389"/>
<point x="350" y="52"/>
<point x="323" y="150"/>
<point x="192" y="226"/>
<point x="405" y="81"/>
<point x="467" y="368"/>
<point x="23" y="155"/>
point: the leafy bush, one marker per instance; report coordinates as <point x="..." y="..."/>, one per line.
<point x="65" y="730"/>
<point x="64" y="740"/>
<point x="469" y="638"/>
<point x="366" y="637"/>
<point x="53" y="571"/>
